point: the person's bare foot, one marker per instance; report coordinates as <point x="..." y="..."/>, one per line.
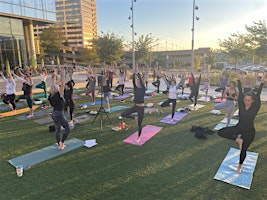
<point x="62" y="146"/>
<point x="138" y="139"/>
<point x="171" y="120"/>
<point x="239" y="169"/>
<point x="240" y="142"/>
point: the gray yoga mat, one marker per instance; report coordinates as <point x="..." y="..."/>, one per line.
<point x="44" y="154"/>
<point x="36" y="114"/>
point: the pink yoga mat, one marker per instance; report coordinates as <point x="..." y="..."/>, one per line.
<point x="125" y="96"/>
<point x="219" y="100"/>
<point x="148" y="132"/>
<point x="177" y="117"/>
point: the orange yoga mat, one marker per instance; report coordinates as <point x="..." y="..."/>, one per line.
<point x="20" y="111"/>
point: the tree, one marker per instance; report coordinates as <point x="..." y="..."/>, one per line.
<point x="33" y="63"/>
<point x="143" y="48"/>
<point x="234" y="47"/>
<point x="51" y="40"/>
<point x="210" y="58"/>
<point x="109" y="47"/>
<point x="257" y="39"/>
<point x="7" y="67"/>
<point x="88" y="55"/>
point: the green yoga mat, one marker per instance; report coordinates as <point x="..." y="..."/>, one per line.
<point x="44" y="154"/>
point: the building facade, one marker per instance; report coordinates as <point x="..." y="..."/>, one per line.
<point x="17" y="18"/>
<point x="78" y="21"/>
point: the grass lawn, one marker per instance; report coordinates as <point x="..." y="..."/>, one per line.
<point x="171" y="165"/>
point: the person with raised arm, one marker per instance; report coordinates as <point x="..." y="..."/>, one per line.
<point x="91" y="83"/>
<point x="223" y="84"/>
<point x="121" y="81"/>
<point x="244" y="132"/>
<point x="42" y="85"/>
<point x="10" y="95"/>
<point x="139" y="93"/>
<point x="27" y="84"/>
<point x="195" y="88"/>
<point x="56" y="99"/>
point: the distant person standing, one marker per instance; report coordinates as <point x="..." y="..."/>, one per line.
<point x="10" y="95"/>
<point x="195" y="89"/>
<point x="42" y="85"/>
<point x="223" y="84"/>
<point x="91" y="83"/>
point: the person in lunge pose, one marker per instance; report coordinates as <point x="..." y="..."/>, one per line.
<point x="173" y="90"/>
<point x="231" y="95"/>
<point x="194" y="89"/>
<point x="223" y="84"/>
<point x="244" y="132"/>
<point x="42" y="85"/>
<point x="9" y="96"/>
<point x="139" y="93"/>
<point x="57" y="101"/>
<point x="27" y="90"/>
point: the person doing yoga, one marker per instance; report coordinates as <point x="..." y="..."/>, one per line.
<point x="173" y="90"/>
<point x="10" y="95"/>
<point x="42" y="85"/>
<point x="194" y="89"/>
<point x="181" y="83"/>
<point x="69" y="101"/>
<point x="231" y="95"/>
<point x="157" y="82"/>
<point x="139" y="93"/>
<point x="57" y="101"/>
<point x="91" y="83"/>
<point x="244" y="132"/>
<point x="223" y="84"/>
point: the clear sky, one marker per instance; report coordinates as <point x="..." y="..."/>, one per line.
<point x="170" y="21"/>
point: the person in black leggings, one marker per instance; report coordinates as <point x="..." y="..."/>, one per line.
<point x="194" y="89"/>
<point x="157" y="83"/>
<point x="69" y="101"/>
<point x="139" y="93"/>
<point x="244" y="132"/>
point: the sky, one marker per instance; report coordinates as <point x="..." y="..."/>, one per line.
<point x="170" y="21"/>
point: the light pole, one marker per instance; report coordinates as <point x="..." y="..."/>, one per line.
<point x="133" y="34"/>
<point x="193" y="33"/>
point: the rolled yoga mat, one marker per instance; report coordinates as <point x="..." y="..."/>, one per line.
<point x="148" y="132"/>
<point x="44" y="154"/>
<point x="227" y="173"/>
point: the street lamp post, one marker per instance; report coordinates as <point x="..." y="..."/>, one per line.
<point x="133" y="34"/>
<point x="193" y="33"/>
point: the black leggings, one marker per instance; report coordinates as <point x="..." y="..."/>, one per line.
<point x="122" y="89"/>
<point x="60" y="120"/>
<point x="220" y="90"/>
<point x="195" y="95"/>
<point x="232" y="133"/>
<point x="140" y="112"/>
<point x="10" y="99"/>
<point x="182" y="88"/>
<point x="156" y="84"/>
<point x="167" y="103"/>
<point x="71" y="106"/>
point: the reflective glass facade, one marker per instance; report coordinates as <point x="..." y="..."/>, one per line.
<point x="39" y="10"/>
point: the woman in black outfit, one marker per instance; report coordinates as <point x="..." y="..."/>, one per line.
<point x="57" y="102"/>
<point x="69" y="101"/>
<point x="157" y="82"/>
<point x="244" y="132"/>
<point x="194" y="89"/>
<point x="139" y="93"/>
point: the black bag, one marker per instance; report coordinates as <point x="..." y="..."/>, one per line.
<point x="52" y="128"/>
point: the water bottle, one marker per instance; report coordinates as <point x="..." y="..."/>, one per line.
<point x="19" y="170"/>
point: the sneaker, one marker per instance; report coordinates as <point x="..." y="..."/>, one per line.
<point x="107" y="110"/>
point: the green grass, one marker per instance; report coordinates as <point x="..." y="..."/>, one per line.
<point x="171" y="165"/>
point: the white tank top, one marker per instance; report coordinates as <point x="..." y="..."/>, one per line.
<point x="172" y="92"/>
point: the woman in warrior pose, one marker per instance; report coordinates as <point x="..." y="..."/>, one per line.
<point x="244" y="132"/>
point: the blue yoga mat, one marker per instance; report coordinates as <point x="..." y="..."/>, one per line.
<point x="44" y="154"/>
<point x="149" y="91"/>
<point x="90" y="103"/>
<point x="78" y="90"/>
<point x="223" y="123"/>
<point x="227" y="173"/>
<point x="118" y="108"/>
<point x="19" y="105"/>
<point x="38" y="95"/>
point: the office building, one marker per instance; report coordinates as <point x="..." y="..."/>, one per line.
<point x="17" y="18"/>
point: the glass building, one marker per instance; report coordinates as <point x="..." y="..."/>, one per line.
<point x="17" y="18"/>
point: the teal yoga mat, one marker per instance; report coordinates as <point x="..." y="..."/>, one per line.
<point x="118" y="108"/>
<point x="223" y="123"/>
<point x="44" y="154"/>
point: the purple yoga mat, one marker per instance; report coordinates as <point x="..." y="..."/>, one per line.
<point x="125" y="96"/>
<point x="148" y="132"/>
<point x="147" y="97"/>
<point x="177" y="117"/>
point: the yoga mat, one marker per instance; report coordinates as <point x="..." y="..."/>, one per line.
<point x="118" y="108"/>
<point x="147" y="97"/>
<point x="36" y="114"/>
<point x="18" y="105"/>
<point x="78" y="90"/>
<point x="204" y="98"/>
<point x="148" y="132"/>
<point x="223" y="123"/>
<point x="125" y="96"/>
<point x="236" y="113"/>
<point x="44" y="154"/>
<point x="38" y="95"/>
<point x="227" y="173"/>
<point x="184" y="96"/>
<point x="198" y="106"/>
<point x="147" y="110"/>
<point x="219" y="100"/>
<point x="150" y="91"/>
<point x="20" y="111"/>
<point x="90" y="103"/>
<point x="76" y="97"/>
<point x="82" y="118"/>
<point x="177" y="117"/>
<point x="43" y="120"/>
<point x="42" y="99"/>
